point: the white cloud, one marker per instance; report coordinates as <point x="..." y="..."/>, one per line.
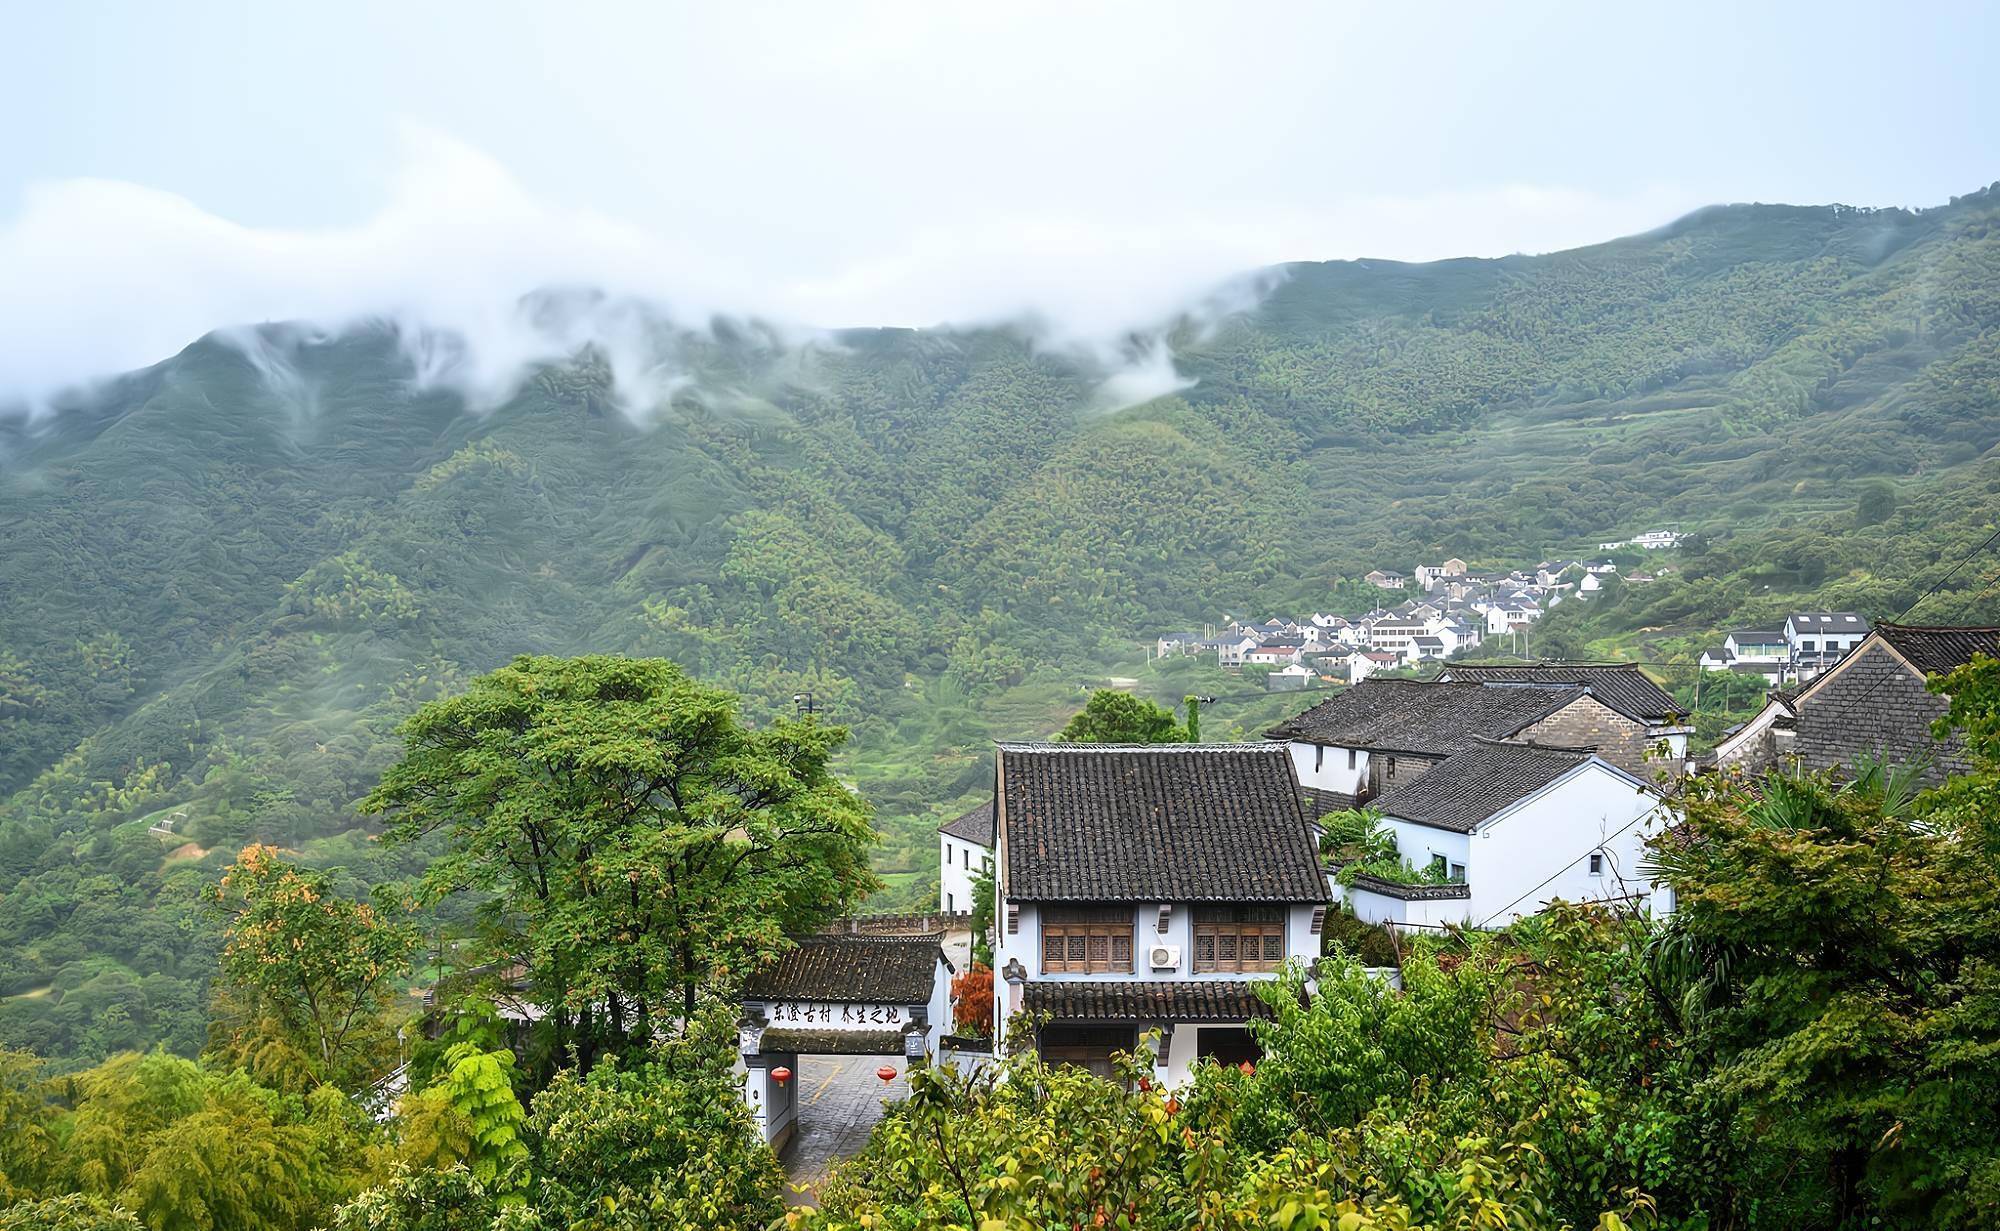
<point x="100" y="276"/>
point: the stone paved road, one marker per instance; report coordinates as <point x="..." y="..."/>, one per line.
<point x="840" y="1099"/>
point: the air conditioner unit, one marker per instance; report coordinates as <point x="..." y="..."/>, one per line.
<point x="1166" y="957"/>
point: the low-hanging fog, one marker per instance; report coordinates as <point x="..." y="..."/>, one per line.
<point x="1091" y="171"/>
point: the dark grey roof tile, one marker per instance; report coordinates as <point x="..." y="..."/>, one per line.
<point x="1155" y="823"/>
<point x="1125" y="1000"/>
<point x="1463" y="790"/>
<point x="851" y="969"/>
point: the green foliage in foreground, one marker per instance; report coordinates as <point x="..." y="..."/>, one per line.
<point x="1372" y="1119"/>
<point x="68" y="1213"/>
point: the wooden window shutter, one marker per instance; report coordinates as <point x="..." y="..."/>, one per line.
<point x="1013" y="919"/>
<point x="1319" y="920"/>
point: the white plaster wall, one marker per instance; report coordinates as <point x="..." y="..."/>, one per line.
<point x="1418" y="843"/>
<point x="1371" y="907"/>
<point x="1550" y="836"/>
<point x="1332" y="773"/>
<point x="1180" y="1058"/>
<point x="939" y="1008"/>
<point x="954" y="878"/>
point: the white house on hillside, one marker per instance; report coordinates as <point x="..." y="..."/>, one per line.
<point x="965" y="850"/>
<point x="1819" y="639"/>
<point x="1148" y="887"/>
<point x="1512" y="827"/>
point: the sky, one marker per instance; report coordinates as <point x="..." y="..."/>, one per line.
<point x="166" y="170"/>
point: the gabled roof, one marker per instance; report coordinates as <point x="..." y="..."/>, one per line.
<point x="1155" y="823"/>
<point x="852" y="969"/>
<point x="1471" y="786"/>
<point x="1622" y="686"/>
<point x="1421" y="717"/>
<point x="975" y="826"/>
<point x="1934" y="649"/>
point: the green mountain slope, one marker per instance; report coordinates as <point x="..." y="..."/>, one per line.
<point x="225" y="579"/>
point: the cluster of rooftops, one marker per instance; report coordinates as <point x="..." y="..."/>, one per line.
<point x="1234" y="822"/>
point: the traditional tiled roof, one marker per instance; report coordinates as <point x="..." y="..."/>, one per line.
<point x="1473" y="785"/>
<point x="1155" y="823"/>
<point x="1412" y="893"/>
<point x="1934" y="649"/>
<point x="833" y="1042"/>
<point x="1421" y="717"/>
<point x="1622" y="686"/>
<point x="1182" y="1000"/>
<point x="851" y="970"/>
<point x="975" y="826"/>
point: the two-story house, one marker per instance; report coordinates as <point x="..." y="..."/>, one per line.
<point x="1508" y="828"/>
<point x="965" y="852"/>
<point x="1148" y="887"/>
<point x="1819" y="639"/>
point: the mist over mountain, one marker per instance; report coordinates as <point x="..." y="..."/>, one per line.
<point x="225" y="578"/>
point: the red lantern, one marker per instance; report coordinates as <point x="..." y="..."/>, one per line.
<point x="1246" y="1068"/>
<point x="781" y="1074"/>
<point x="886" y="1072"/>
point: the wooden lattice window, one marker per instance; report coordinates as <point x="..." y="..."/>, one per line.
<point x="1087" y="939"/>
<point x="1239" y="938"/>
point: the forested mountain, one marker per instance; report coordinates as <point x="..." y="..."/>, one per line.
<point x="224" y="580"/>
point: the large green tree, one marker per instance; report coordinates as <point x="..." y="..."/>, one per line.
<point x="1835" y="963"/>
<point x="635" y="842"/>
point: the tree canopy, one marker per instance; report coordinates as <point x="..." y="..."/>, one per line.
<point x="636" y="842"/>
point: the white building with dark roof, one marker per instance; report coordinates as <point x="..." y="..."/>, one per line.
<point x="1148" y="887"/>
<point x="1819" y="639"/>
<point x="1509" y="828"/>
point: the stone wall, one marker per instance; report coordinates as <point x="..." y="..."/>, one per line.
<point x="1875" y="706"/>
<point x="1389" y="770"/>
<point x="1589" y="723"/>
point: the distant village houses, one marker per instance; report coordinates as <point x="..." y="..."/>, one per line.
<point x="1451" y="610"/>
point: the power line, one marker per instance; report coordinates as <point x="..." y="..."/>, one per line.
<point x="1597" y="846"/>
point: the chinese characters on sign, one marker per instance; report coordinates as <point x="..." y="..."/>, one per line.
<point x="836" y="1015"/>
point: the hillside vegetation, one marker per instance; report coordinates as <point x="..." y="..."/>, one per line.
<point x="225" y="580"/>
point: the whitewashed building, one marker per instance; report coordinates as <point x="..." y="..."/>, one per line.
<point x="1148" y="888"/>
<point x="965" y="852"/>
<point x="1512" y="827"/>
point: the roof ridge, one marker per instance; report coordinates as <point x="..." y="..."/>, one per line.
<point x="1058" y="746"/>
<point x="1578" y="749"/>
<point x="1939" y="628"/>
